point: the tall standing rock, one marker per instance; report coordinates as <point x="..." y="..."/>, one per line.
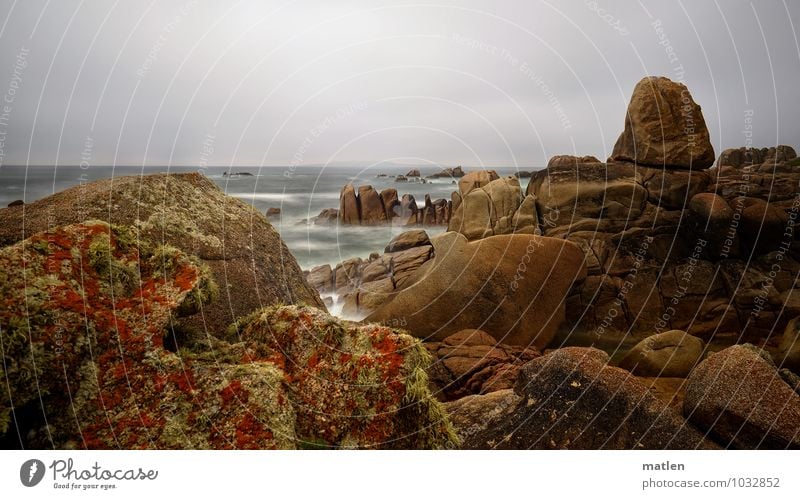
<point x="390" y="202"/>
<point x="408" y="210"/>
<point x="372" y="209"/>
<point x="349" y="209"/>
<point x="664" y="127"/>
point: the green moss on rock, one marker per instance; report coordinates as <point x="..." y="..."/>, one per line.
<point x="90" y="354"/>
<point x="351" y="386"/>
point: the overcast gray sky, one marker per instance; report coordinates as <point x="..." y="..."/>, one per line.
<point x="311" y="82"/>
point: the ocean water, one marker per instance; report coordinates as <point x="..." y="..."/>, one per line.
<point x="301" y="193"/>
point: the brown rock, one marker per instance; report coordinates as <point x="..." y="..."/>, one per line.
<point x="390" y="202"/>
<point x="187" y="211"/>
<point x="346" y="273"/>
<point x="512" y="286"/>
<point x="406" y="240"/>
<point x="408" y="210"/>
<point x="664" y="127"/>
<point x="571" y="399"/>
<point x="762" y="225"/>
<point x="568" y="194"/>
<point x="476" y="179"/>
<point x="526" y="218"/>
<point x="405" y="263"/>
<point x="471" y="361"/>
<point x="372" y="210"/>
<point x="18" y="202"/>
<point x="321" y="278"/>
<point x="738" y="396"/>
<point x="456" y="172"/>
<point x="327" y="216"/>
<point x="710" y="218"/>
<point x="273" y="212"/>
<point x="473" y="216"/>
<point x="789" y="349"/>
<point x="671" y="355"/>
<point x="565" y="160"/>
<point x="349" y="209"/>
<point x="413" y="173"/>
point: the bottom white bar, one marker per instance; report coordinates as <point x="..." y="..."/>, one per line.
<point x="403" y="474"/>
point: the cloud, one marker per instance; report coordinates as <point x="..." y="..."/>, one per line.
<point x="452" y="82"/>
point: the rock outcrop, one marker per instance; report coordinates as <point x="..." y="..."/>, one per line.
<point x="750" y="156"/>
<point x="740" y="398"/>
<point x="473" y="362"/>
<point x="249" y="262"/>
<point x="486" y="205"/>
<point x="365" y="206"/>
<point x="664" y="128"/>
<point x="362" y="285"/>
<point x="82" y="324"/>
<point x="707" y="251"/>
<point x="567" y="160"/>
<point x="511" y="286"/>
<point x="572" y="399"/>
<point x="456" y="172"/>
<point x="413" y="173"/>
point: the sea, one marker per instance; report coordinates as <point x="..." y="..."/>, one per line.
<point x="300" y="192"/>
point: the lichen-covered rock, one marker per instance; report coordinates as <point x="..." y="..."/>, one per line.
<point x="83" y="314"/>
<point x="739" y="397"/>
<point x="84" y="307"/>
<point x="350" y="385"/>
<point x="251" y="265"/>
<point x="572" y="399"/>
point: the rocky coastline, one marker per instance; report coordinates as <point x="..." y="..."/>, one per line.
<point x="645" y="302"/>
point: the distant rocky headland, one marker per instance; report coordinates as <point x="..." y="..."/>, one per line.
<point x="648" y="301"/>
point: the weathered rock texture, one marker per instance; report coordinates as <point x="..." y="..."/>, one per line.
<point x="511" y="286"/>
<point x="486" y="205"/>
<point x="473" y="362"/>
<point x="740" y="398"/>
<point x="572" y="399"/>
<point x="672" y="354"/>
<point x="251" y="265"/>
<point x="84" y="312"/>
<point x="664" y="127"/>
